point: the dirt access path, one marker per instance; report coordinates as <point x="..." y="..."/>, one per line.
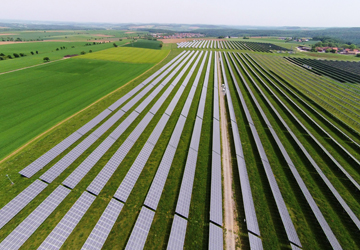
<point x="230" y="225"/>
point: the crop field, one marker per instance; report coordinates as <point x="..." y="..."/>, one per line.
<point x="143" y="168"/>
<point x="129" y="55"/>
<point x="146" y="44"/>
<point x="45" y="49"/>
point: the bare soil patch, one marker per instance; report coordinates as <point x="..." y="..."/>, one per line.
<point x="129" y="32"/>
<point x="7" y="34"/>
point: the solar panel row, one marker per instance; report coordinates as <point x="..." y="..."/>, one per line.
<point x="100" y="232"/>
<point x="133" y="174"/>
<point x="101" y="179"/>
<point x="63" y="229"/>
<point x="141" y="229"/>
<point x="20" y="201"/>
<point x="249" y="208"/>
<point x="31" y="223"/>
<point x="68" y="159"/>
<point x="284" y="214"/>
<point x="177" y="234"/>
<point x="43" y="160"/>
<point x="325" y="227"/>
<point x="215" y="237"/>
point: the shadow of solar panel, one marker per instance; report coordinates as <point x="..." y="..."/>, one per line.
<point x="141" y="229"/>
<point x="31" y="223"/>
<point x="63" y="229"/>
<point x="177" y="234"/>
<point x="98" y="235"/>
<point x="20" y="201"/>
<point x="183" y="204"/>
<point x="215" y="237"/>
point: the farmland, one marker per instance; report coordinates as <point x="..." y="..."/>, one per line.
<point x="142" y="167"/>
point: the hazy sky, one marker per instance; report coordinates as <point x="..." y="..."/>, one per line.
<point x="312" y="13"/>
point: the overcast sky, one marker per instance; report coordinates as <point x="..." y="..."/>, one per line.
<point x="306" y="13"/>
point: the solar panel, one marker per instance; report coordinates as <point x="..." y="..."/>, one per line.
<point x="63" y="229"/>
<point x="216" y="190"/>
<point x="128" y="183"/>
<point x="123" y="126"/>
<point x="141" y="229"/>
<point x="183" y="204"/>
<point x="98" y="235"/>
<point x="216" y="240"/>
<point x="157" y="105"/>
<point x="201" y="108"/>
<point x="175" y="137"/>
<point x="20" y="201"/>
<point x="88" y="126"/>
<point x="155" y="135"/>
<point x="26" y="228"/>
<point x="102" y="178"/>
<point x="68" y="159"/>
<point x="195" y="138"/>
<point x="177" y="234"/>
<point x="50" y="155"/>
<point x="107" y="125"/>
<point x="216" y="144"/>
<point x="155" y="191"/>
<point x="135" y="134"/>
<point x="255" y="242"/>
<point x="237" y="141"/>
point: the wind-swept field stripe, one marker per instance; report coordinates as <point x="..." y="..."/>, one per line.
<point x="135" y="170"/>
<point x="75" y="177"/>
<point x="249" y="208"/>
<point x="184" y="199"/>
<point x="284" y="213"/>
<point x="70" y="157"/>
<point x="102" y="178"/>
<point x="155" y="191"/>
<point x="20" y="201"/>
<point x="317" y="168"/>
<point x="63" y="229"/>
<point x="98" y="235"/>
<point x="297" y="97"/>
<point x="43" y="160"/>
<point x="314" y="208"/>
<point x="336" y="163"/>
<point x="26" y="228"/>
<point x="216" y="187"/>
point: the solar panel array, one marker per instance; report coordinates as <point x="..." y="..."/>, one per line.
<point x="141" y="229"/>
<point x="133" y="174"/>
<point x="99" y="234"/>
<point x="215" y="237"/>
<point x="63" y="229"/>
<point x="177" y="234"/>
<point x="26" y="228"/>
<point x="249" y="208"/>
<point x="320" y="218"/>
<point x="284" y="214"/>
<point x="43" y="160"/>
<point x="20" y="201"/>
<point x="101" y="179"/>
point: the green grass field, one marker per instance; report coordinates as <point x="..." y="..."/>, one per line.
<point x="46" y="49"/>
<point x="129" y="55"/>
<point x="146" y="44"/>
<point x="35" y="99"/>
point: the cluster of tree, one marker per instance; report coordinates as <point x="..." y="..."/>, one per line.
<point x="93" y="43"/>
<point x="62" y="47"/>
